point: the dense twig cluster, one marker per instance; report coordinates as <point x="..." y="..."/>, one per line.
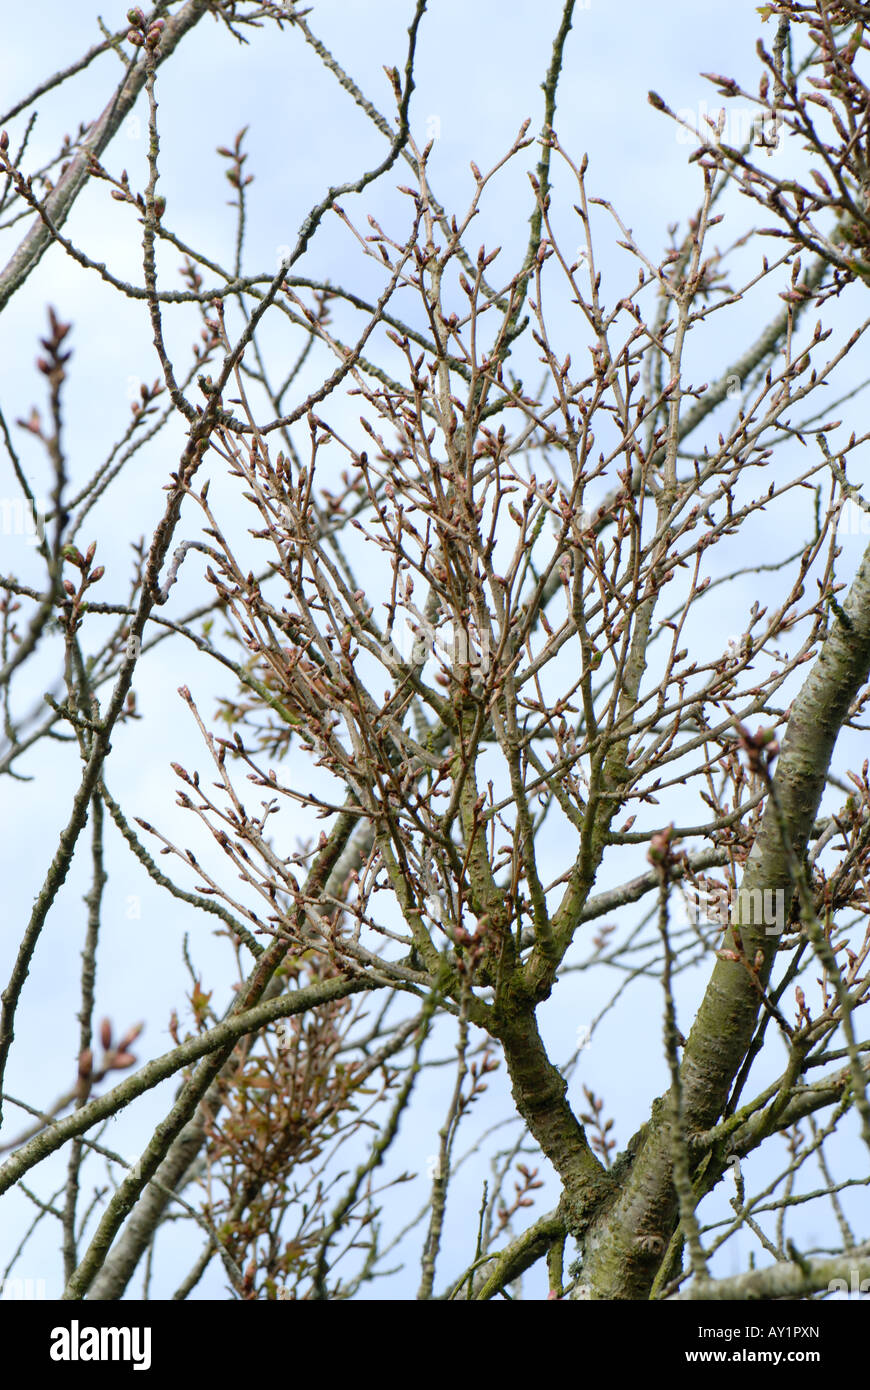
<point x="468" y="634"/>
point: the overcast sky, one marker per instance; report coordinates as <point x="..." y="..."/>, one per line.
<point x="478" y="77"/>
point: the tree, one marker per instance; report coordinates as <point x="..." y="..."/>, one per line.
<point x="464" y="631"/>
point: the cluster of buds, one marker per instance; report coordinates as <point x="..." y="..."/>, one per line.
<point x="662" y="853"/>
<point x="470" y="946"/>
<point x="141" y="33"/>
<point x="88" y="576"/>
<point x="761" y="749"/>
<point x="145" y="406"/>
<point x="74" y="556"/>
<point x="116" y="1055"/>
<point x="527" y="1183"/>
<point x="235" y="173"/>
<point x="53" y="365"/>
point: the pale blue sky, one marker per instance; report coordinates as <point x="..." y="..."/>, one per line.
<point x="478" y="77"/>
